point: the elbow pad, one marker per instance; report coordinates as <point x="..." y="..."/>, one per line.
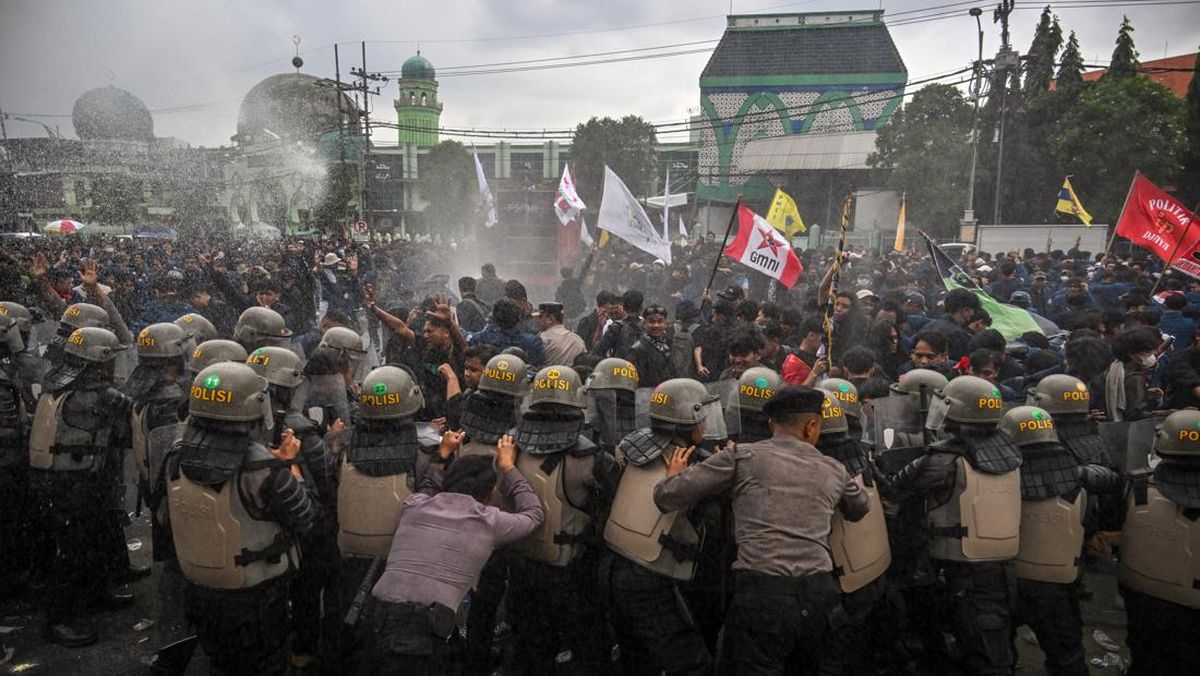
<point x="290" y="499"/>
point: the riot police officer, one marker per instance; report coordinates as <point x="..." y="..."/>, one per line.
<point x="756" y="386"/>
<point x="284" y="372"/>
<point x="76" y="316"/>
<point x="492" y="409"/>
<point x="234" y="510"/>
<point x="654" y="553"/>
<point x="970" y="483"/>
<point x="860" y="550"/>
<point x="1159" y="561"/>
<point x="611" y="390"/>
<point x="157" y="386"/>
<point x="1054" y="492"/>
<point x="847" y="395"/>
<point x="75" y="429"/>
<point x="197" y="328"/>
<point x="259" y="327"/>
<point x="1067" y="399"/>
<point x="15" y="406"/>
<point x="551" y="603"/>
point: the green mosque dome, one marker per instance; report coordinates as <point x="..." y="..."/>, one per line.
<point x="418" y="68"/>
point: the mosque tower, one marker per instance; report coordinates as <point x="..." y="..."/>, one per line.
<point x="418" y="111"/>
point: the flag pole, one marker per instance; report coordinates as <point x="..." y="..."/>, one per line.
<point x="724" y="240"/>
<point x="1174" y="250"/>
<point x="1124" y="205"/>
<point x="836" y="280"/>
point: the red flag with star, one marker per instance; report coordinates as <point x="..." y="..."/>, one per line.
<point x="760" y="246"/>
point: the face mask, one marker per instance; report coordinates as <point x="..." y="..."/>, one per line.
<point x="1149" y="361"/>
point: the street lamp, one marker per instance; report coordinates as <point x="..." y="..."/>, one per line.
<point x="968" y="219"/>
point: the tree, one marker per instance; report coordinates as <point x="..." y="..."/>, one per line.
<point x="629" y="147"/>
<point x="1189" y="183"/>
<point x="1125" y="57"/>
<point x="1070" y="68"/>
<point x="1047" y="40"/>
<point x="927" y="146"/>
<point x="447" y="182"/>
<point x="1117" y="126"/>
<point x="331" y="211"/>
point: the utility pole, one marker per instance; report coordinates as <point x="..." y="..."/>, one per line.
<point x="1007" y="62"/>
<point x="364" y="87"/>
<point x="968" y="223"/>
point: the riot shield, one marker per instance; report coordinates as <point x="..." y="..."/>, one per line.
<point x="895" y="430"/>
<point x="41" y="335"/>
<point x="323" y="399"/>
<point x="1115" y="436"/>
<point x="1139" y="445"/>
<point x="336" y="442"/>
<point x="158" y="444"/>
<point x="722" y="419"/>
<point x="641" y="406"/>
<point x="612" y="415"/>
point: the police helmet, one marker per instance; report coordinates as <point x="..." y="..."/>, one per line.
<point x="1028" y="425"/>
<point x="80" y="315"/>
<point x="259" y="326"/>
<point x="197" y="327"/>
<point x="969" y="399"/>
<point x="1179" y="435"/>
<point x="19" y="313"/>
<point x="755" y="387"/>
<point x="93" y="344"/>
<point x="10" y="334"/>
<point x="845" y="392"/>
<point x="504" y="374"/>
<point x="389" y="392"/>
<point x="279" y="365"/>
<point x="212" y="351"/>
<point x="680" y="401"/>
<point x="833" y="415"/>
<point x="162" y="341"/>
<point x="342" y="339"/>
<point x="917" y="380"/>
<point x="613" y="373"/>
<point x="1061" y="394"/>
<point x="229" y="391"/>
<point x="557" y="385"/>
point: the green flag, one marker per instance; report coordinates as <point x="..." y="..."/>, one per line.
<point x="1009" y="320"/>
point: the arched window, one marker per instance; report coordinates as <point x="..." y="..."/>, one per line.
<point x="422" y="98"/>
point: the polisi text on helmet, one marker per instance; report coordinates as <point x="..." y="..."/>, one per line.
<point x="756" y="392"/>
<point x="214" y="395"/>
<point x="379" y="400"/>
<point x="1189" y="435"/>
<point x="625" y="372"/>
<point x="1027" y="425"/>
<point x="990" y="403"/>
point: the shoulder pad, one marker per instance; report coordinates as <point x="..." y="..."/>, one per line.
<point x="298" y="422"/>
<point x="258" y="456"/>
<point x="584" y="447"/>
<point x="168" y="391"/>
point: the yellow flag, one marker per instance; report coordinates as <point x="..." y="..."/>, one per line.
<point x="847" y="208"/>
<point x="784" y="216"/>
<point x="603" y="238"/>
<point x="899" y="245"/>
<point x="1068" y="203"/>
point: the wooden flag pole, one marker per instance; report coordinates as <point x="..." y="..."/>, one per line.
<point x="724" y="241"/>
<point x="1124" y="205"/>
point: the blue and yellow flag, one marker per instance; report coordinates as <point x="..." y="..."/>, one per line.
<point x="784" y="216"/>
<point x="1068" y="203"/>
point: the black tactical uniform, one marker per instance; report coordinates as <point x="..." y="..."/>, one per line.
<point x="16" y="405"/>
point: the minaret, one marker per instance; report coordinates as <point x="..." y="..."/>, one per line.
<point x="418" y="111"/>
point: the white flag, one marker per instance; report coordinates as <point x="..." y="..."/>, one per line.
<point x="485" y="193"/>
<point x="621" y="215"/>
<point x="567" y="204"/>
<point x="584" y="235"/>
<point x="667" y="206"/>
<point x="682" y="228"/>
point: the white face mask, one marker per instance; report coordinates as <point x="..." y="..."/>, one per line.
<point x="1149" y="361"/>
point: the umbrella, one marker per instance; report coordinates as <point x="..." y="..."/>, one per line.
<point x="64" y="226"/>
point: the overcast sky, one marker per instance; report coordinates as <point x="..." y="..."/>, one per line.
<point x="191" y="62"/>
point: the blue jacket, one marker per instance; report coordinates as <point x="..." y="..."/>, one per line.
<point x="514" y="337"/>
<point x="1174" y="323"/>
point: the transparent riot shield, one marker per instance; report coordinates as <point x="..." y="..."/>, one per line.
<point x="611" y="415"/>
<point x="721" y="413"/>
<point x="158" y="444"/>
<point x="896" y="430"/>
<point x="41" y="335"/>
<point x="1115" y="436"/>
<point x="324" y="400"/>
<point x="1139" y="445"/>
<point x="642" y="406"/>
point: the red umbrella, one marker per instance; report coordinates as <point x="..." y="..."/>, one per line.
<point x="64" y="227"/>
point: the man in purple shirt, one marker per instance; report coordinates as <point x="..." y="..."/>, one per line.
<point x="445" y="536"/>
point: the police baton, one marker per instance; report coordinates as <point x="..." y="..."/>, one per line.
<point x="360" y="598"/>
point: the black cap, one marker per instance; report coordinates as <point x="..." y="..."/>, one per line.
<point x="794" y="399"/>
<point x="731" y="292"/>
<point x="552" y="309"/>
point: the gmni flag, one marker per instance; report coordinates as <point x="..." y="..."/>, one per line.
<point x="1069" y="204"/>
<point x="758" y="246"/>
<point x="1009" y="320"/>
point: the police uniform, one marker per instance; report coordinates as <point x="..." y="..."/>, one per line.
<point x="612" y="410"/>
<point x="234" y="511"/>
<point x="1054" y="493"/>
<point x="75" y="429"/>
<point x="784" y="495"/>
<point x="550" y="599"/>
<point x="1159" y="572"/>
<point x="970" y="482"/>
<point x="16" y="403"/>
<point x="654" y="554"/>
<point x="860" y="550"/>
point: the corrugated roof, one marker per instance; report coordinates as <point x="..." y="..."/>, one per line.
<point x="801" y="152"/>
<point x="1175" y="72"/>
<point x="833" y="49"/>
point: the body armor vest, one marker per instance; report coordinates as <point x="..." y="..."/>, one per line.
<point x="369" y="510"/>
<point x="1160" y="547"/>
<point x="860" y="549"/>
<point x="982" y="519"/>
<point x="559" y="540"/>
<point x="58" y="446"/>
<point x="664" y="543"/>
<point x="12" y="423"/>
<point x="219" y="544"/>
<point x="477" y="448"/>
<point x="1051" y="537"/>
